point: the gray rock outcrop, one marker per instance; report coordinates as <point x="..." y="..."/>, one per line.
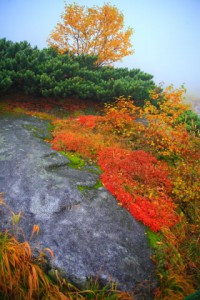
<point x="89" y="233"/>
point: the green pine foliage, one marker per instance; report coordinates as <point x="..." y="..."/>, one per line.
<point x="191" y="121"/>
<point x="50" y="74"/>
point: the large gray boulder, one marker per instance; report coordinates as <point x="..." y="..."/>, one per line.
<point x="89" y="233"/>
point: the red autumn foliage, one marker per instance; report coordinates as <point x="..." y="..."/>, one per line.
<point x="137" y="179"/>
<point x="75" y="142"/>
<point x="77" y="134"/>
<point x="89" y="120"/>
<point x="141" y="184"/>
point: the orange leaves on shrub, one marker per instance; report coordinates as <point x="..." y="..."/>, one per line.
<point x="170" y="108"/>
<point x="141" y="184"/>
<point x="118" y="117"/>
<point x="163" y="134"/>
<point x="96" y="31"/>
<point x="164" y="140"/>
<point x="186" y="188"/>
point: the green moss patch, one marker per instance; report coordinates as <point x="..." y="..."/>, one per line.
<point x="75" y="161"/>
<point x="83" y="188"/>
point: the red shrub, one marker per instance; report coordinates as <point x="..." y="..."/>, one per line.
<point x="89" y="121"/>
<point x="76" y="142"/>
<point x="140" y="184"/>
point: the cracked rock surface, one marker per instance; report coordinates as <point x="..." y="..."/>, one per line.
<point x="89" y="233"/>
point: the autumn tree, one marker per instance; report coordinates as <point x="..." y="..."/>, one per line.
<point x="97" y="31"/>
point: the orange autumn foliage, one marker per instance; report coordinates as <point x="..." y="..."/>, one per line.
<point x="169" y="108"/>
<point x="186" y="188"/>
<point x="163" y="135"/>
<point x="118" y="117"/>
<point x="124" y="128"/>
<point x="94" y="31"/>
